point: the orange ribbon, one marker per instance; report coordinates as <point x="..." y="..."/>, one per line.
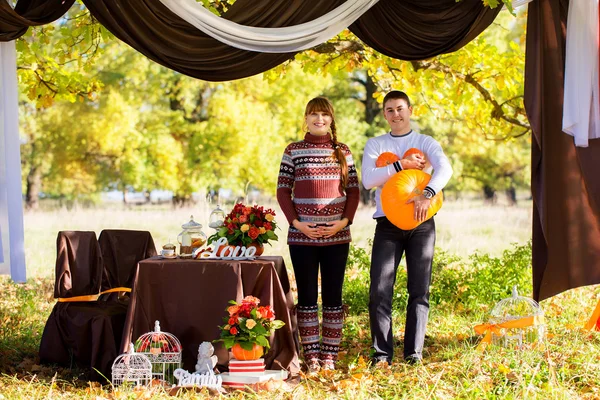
<point x="593" y="322"/>
<point x="498" y="329"/>
<point x="92" y="297"/>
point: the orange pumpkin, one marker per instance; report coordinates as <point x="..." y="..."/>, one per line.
<point x="386" y="159"/>
<point x="401" y="187"/>
<point x="242" y="354"/>
<point x="259" y="248"/>
<point x="411" y="151"/>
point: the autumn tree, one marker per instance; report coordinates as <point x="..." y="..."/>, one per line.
<point x="159" y="123"/>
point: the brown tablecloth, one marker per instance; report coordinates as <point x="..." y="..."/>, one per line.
<point x="189" y="298"/>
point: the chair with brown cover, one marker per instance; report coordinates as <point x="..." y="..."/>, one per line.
<point x="121" y="252"/>
<point x="80" y="330"/>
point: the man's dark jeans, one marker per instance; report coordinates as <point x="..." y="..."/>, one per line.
<point x="388" y="247"/>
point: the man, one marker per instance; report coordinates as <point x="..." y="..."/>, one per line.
<point x="391" y="242"/>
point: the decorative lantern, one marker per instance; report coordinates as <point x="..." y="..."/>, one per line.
<point x="520" y="321"/>
<point x="132" y="369"/>
<point x="217" y="218"/>
<point x="163" y="350"/>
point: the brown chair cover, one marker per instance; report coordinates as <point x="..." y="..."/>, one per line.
<point x="121" y="252"/>
<point x="89" y="333"/>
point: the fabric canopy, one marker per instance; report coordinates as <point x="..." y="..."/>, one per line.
<point x="14" y="23"/>
<point x="410" y="30"/>
<point x="417" y="29"/>
<point x="564" y="178"/>
<point x="270" y="40"/>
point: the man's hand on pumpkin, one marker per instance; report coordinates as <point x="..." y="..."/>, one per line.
<point x="421" y="207"/>
<point x="413" y="161"/>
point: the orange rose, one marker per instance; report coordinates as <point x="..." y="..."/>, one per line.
<point x="233" y="310"/>
<point x="253" y="232"/>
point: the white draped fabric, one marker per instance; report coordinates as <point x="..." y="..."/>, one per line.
<point x="520" y="3"/>
<point x="581" y="112"/>
<point x="270" y="40"/>
<point x="11" y="199"/>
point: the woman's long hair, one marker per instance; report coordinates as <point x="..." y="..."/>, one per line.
<point x="322" y="104"/>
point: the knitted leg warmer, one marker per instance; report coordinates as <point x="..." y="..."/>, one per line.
<point x="308" y="327"/>
<point x="333" y="322"/>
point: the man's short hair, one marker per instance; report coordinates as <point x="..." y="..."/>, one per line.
<point x="396" y="94"/>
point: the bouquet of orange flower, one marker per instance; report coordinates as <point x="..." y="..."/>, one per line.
<point x="248" y="325"/>
<point x="245" y="224"/>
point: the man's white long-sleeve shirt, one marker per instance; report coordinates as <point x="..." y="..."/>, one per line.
<point x="377" y="177"/>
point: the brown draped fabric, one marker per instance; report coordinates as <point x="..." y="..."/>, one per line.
<point x="78" y="264"/>
<point x="564" y="181"/>
<point x="153" y="30"/>
<point x="417" y="29"/>
<point x="84" y="333"/>
<point x="14" y="23"/>
<point x="121" y="252"/>
<point x="408" y="30"/>
<point x="189" y="298"/>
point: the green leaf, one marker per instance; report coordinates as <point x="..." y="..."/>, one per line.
<point x="246" y="345"/>
<point x="276" y="324"/>
<point x="262" y="341"/>
<point x="259" y="329"/>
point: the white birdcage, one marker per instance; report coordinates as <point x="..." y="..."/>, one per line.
<point x="164" y="351"/>
<point x="513" y="310"/>
<point x="132" y="369"/>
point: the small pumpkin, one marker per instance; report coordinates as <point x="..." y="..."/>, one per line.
<point x="386" y="159"/>
<point x="259" y="248"/>
<point x="401" y="187"/>
<point x="411" y="151"/>
<point x="242" y="354"/>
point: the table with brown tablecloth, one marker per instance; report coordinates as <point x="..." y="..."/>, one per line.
<point x="189" y="298"/>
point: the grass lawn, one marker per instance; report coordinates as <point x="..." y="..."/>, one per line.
<point x="477" y="269"/>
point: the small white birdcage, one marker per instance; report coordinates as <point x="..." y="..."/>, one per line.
<point x="131" y="369"/>
<point x="164" y="351"/>
<point x="521" y="322"/>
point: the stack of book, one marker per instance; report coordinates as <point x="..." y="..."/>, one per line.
<point x="242" y="373"/>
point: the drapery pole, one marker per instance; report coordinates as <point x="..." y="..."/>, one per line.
<point x="11" y="198"/>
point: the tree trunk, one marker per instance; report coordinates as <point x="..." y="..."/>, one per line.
<point x="125" y="196"/>
<point x="489" y="194"/>
<point x="511" y="194"/>
<point x="372" y="107"/>
<point x="34" y="184"/>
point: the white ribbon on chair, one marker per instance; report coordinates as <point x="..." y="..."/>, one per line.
<point x="270" y="40"/>
<point x="11" y="199"/>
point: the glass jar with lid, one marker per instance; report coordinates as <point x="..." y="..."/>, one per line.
<point x="191" y="238"/>
<point x="217" y="218"/>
